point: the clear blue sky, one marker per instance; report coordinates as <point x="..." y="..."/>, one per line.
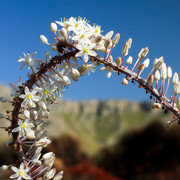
<point x="152" y="23"/>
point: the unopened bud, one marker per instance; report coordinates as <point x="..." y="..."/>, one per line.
<point x="63" y="33"/>
<point x="177" y="88"/>
<point x="50" y="174"/>
<point x="141" y="67"/>
<point x="143" y="53"/>
<point x="53" y="27"/>
<point x="58" y="176"/>
<point x="4" y="168"/>
<point x="75" y="74"/>
<point x="98" y="39"/>
<point x="125" y="81"/>
<point x="109" y="35"/>
<point x="43" y="39"/>
<point x="146" y="62"/>
<point x="115" y="39"/>
<point x="118" y="61"/>
<point x="150" y="79"/>
<point x="42" y="105"/>
<point x="108" y="43"/>
<point x="169" y="72"/>
<point x="47" y="54"/>
<point x="129" y="60"/>
<point x="125" y="49"/>
<point x="158" y="63"/>
<point x="66" y="80"/>
<point x="163" y="72"/>
<point x="34" y="115"/>
<point x="36" y="162"/>
<point x="156" y="106"/>
<point x="178" y="103"/>
<point x="27" y="114"/>
<point x="129" y="43"/>
<point x="157" y="75"/>
<point x="53" y="48"/>
<point x="175" y="79"/>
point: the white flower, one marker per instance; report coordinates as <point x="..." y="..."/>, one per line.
<point x="95" y="30"/>
<point x="86" y="50"/>
<point x="24" y="127"/>
<point x="28" y="60"/>
<point x="29" y="97"/>
<point x="82" y="36"/>
<point x="20" y="173"/>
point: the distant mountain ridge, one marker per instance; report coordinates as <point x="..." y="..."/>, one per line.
<point x="95" y="123"/>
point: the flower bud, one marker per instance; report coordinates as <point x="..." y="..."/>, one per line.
<point x="129" y="43"/>
<point x="36" y="162"/>
<point x="42" y="142"/>
<point x="146" y="62"/>
<point x="66" y="80"/>
<point x="34" y="115"/>
<point x="177" y="88"/>
<point x="175" y="79"/>
<point x="158" y="63"/>
<point x="115" y="39"/>
<point x="42" y="105"/>
<point x="27" y="114"/>
<point x="163" y="72"/>
<point x="150" y="79"/>
<point x="169" y="72"/>
<point x="58" y="176"/>
<point x="157" y="75"/>
<point x="63" y="33"/>
<point x="125" y="81"/>
<point x="53" y="48"/>
<point x="109" y="35"/>
<point x="156" y="106"/>
<point x="4" y="168"/>
<point x="75" y="74"/>
<point x="129" y="60"/>
<point x="53" y="27"/>
<point x="141" y="67"/>
<point x="47" y="155"/>
<point x="108" y="43"/>
<point x="125" y="49"/>
<point x="143" y="53"/>
<point x="47" y="54"/>
<point x="118" y="61"/>
<point x="178" y="103"/>
<point x="50" y="174"/>
<point x="43" y="39"/>
<point x="98" y="39"/>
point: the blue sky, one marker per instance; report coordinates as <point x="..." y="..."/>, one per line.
<point x="151" y="23"/>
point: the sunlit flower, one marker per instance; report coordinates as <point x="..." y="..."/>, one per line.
<point x="24" y="127"/>
<point x="20" y="173"/>
<point x="86" y="51"/>
<point x="29" y="98"/>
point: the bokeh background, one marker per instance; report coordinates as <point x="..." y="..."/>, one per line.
<point x="100" y="129"/>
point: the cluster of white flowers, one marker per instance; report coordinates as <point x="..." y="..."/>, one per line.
<point x="79" y="46"/>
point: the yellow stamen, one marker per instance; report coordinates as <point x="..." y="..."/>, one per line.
<point x="85" y="51"/>
<point x="45" y="91"/>
<point x="76" y="25"/>
<point x="29" y="96"/>
<point x="82" y="36"/>
<point x="23" y="126"/>
<point x="96" y="31"/>
<point x="20" y="173"/>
